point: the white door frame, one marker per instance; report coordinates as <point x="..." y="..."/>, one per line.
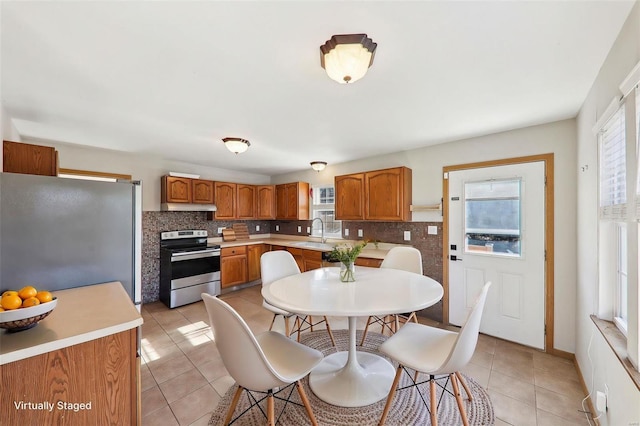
<point x="549" y="235"/>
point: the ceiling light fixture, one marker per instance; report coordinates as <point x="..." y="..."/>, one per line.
<point x="318" y="165"/>
<point x="236" y="145"/>
<point x="347" y="57"/>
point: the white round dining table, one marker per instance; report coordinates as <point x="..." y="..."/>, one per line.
<point x="353" y="378"/>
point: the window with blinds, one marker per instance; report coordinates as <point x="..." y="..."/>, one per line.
<point x="613" y="176"/>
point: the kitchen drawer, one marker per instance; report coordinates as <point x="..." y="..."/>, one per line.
<point x="368" y="261"/>
<point x="233" y="251"/>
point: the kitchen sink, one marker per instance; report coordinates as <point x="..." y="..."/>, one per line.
<point x="314" y="244"/>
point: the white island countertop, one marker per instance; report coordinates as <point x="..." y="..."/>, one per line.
<point x="81" y="315"/>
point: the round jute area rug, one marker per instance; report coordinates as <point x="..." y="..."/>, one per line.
<point x="407" y="409"/>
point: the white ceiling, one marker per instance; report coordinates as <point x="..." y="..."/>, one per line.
<point x="173" y="78"/>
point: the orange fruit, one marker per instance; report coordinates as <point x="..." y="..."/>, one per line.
<point x="29" y="302"/>
<point x="10" y="293"/>
<point x="27" y="292"/>
<point x="44" y="296"/>
<point x="11" y="301"/>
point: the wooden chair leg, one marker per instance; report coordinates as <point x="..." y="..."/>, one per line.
<point x="333" y="342"/>
<point x="310" y="323"/>
<point x="456" y="392"/>
<point x="392" y="393"/>
<point x="271" y="412"/>
<point x="273" y="320"/>
<point x="364" y="333"/>
<point x="396" y="323"/>
<point x="299" y="324"/>
<point x="286" y="325"/>
<point x="305" y="401"/>
<point x="463" y="382"/>
<point x="434" y="401"/>
<point x="384" y="323"/>
<point x="234" y="402"/>
<point x="413" y="317"/>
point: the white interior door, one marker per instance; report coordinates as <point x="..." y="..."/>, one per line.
<point x="496" y="233"/>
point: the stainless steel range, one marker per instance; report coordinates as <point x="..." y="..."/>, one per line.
<point x="188" y="267"/>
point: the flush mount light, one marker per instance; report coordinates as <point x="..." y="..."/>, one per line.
<point x="318" y="165"/>
<point x="236" y="145"/>
<point x="347" y="57"/>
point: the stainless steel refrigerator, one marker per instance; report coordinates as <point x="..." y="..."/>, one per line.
<point x="58" y="233"/>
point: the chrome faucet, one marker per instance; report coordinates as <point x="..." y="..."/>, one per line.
<point x="322" y="238"/>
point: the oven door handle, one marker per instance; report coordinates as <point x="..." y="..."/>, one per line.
<point x="178" y="257"/>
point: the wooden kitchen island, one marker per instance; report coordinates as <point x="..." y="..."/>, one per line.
<point x="78" y="366"/>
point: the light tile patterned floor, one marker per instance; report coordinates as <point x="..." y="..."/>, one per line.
<point x="183" y="377"/>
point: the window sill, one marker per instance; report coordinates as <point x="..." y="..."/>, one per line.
<point x="618" y="343"/>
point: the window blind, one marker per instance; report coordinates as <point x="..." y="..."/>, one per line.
<point x="613" y="186"/>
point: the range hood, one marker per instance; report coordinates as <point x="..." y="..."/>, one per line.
<point x="186" y="207"/>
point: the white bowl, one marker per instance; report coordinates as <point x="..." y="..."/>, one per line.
<point x="24" y="318"/>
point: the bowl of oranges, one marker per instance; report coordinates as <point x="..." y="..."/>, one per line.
<point x="23" y="309"/>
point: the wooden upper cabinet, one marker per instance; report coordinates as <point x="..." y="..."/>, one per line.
<point x="175" y="189"/>
<point x="202" y="191"/>
<point x="29" y="159"/>
<point x="383" y="195"/>
<point x="225" y="197"/>
<point x="388" y="194"/>
<point x="292" y="201"/>
<point x="349" y="190"/>
<point x="245" y="201"/>
<point x="265" y="202"/>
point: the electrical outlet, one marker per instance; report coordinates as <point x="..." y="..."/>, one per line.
<point x="220" y="230"/>
<point x="308" y="230"/>
<point x="346" y="232"/>
<point x="360" y="233"/>
<point x="257" y="228"/>
<point x="432" y="230"/>
<point x="299" y="229"/>
<point x="407" y="235"/>
<point x="277" y="228"/>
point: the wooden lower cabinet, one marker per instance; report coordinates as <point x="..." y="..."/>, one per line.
<point x="91" y="383"/>
<point x="312" y="259"/>
<point x="368" y="261"/>
<point x="233" y="266"/>
<point x="254" y="252"/>
<point x="297" y="255"/>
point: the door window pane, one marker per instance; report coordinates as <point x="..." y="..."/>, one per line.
<point x="492" y="217"/>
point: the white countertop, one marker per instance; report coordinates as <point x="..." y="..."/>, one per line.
<point x="81" y="315"/>
<point x="292" y="241"/>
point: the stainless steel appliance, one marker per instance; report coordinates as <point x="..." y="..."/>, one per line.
<point x="188" y="267"/>
<point x="58" y="233"/>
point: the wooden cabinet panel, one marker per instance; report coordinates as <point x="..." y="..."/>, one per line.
<point x="265" y="202"/>
<point x="101" y="372"/>
<point x="175" y="189"/>
<point x="202" y="191"/>
<point x="312" y="259"/>
<point x="225" y="197"/>
<point x="367" y="261"/>
<point x="233" y="266"/>
<point x="388" y="194"/>
<point x="245" y="201"/>
<point x="349" y="191"/>
<point x="297" y="255"/>
<point x="254" y="252"/>
<point x="292" y="201"/>
<point x="29" y="159"/>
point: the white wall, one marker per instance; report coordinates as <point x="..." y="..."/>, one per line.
<point x="427" y="163"/>
<point x="603" y="368"/>
<point x="146" y="168"/>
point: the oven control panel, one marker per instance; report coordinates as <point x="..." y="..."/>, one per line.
<point x="173" y="235"/>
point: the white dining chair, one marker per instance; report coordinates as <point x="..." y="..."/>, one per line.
<point x="278" y="264"/>
<point x="268" y="363"/>
<point x="436" y="352"/>
<point x="407" y="259"/>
